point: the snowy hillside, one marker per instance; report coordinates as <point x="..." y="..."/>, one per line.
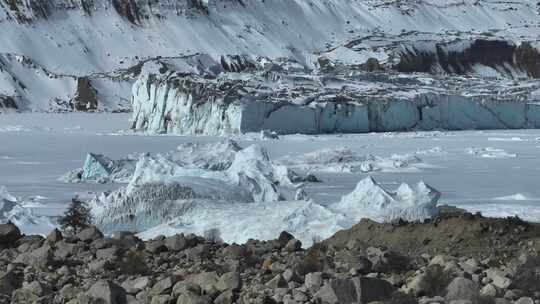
<point x="84" y="55"/>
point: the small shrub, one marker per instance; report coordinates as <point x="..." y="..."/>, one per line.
<point x="213" y="235"/>
<point x="76" y="217"/>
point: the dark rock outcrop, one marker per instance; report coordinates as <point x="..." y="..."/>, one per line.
<point x="85" y="98"/>
<point x="9" y="234"/>
<point x="453" y="58"/>
<point x="7" y="102"/>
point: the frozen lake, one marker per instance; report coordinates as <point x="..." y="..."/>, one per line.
<point x="496" y="172"/>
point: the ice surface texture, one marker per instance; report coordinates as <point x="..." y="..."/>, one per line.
<point x="243" y="198"/>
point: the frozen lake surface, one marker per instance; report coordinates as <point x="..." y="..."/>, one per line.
<point x="495" y="172"/>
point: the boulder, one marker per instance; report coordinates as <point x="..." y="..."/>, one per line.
<point x="105" y="292"/>
<point x="192" y="298"/>
<point x="489" y="291"/>
<point x="372" y="289"/>
<point x="277" y="282"/>
<point x="39" y="258"/>
<point x="110" y="253"/>
<point x="9" y="234"/>
<point x="313" y="281"/>
<point x="284" y="238"/>
<point x="161" y="299"/>
<point x="176" y="243"/>
<point x="164" y="286"/>
<point x="462" y="289"/>
<point x="226" y="297"/>
<point x="206" y="280"/>
<point x="23" y="296"/>
<point x="8" y="283"/>
<point x="55" y="236"/>
<point x="293" y="245"/>
<point x="342" y="291"/>
<point x="498" y="278"/>
<point x="133" y="286"/>
<point x="229" y="281"/>
<point x="89" y="234"/>
<point x="156" y="246"/>
<point x="525" y="300"/>
<point x="185" y="287"/>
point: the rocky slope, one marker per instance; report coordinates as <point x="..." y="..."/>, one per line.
<point x="351" y="267"/>
<point x="80" y="52"/>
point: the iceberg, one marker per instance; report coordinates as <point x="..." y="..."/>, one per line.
<point x="12" y="210"/>
<point x="244" y="194"/>
<point x="101" y="169"/>
<point x="251" y="170"/>
<point x="371" y="200"/>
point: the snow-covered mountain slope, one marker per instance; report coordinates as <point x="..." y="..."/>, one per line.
<point x="105" y="41"/>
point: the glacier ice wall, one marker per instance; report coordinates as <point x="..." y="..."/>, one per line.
<point x="180" y="104"/>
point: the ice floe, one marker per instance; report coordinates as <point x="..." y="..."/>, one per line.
<point x="346" y="160"/>
<point x="490" y="152"/>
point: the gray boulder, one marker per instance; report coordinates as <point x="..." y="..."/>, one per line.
<point x="229" y="281"/>
<point x="9" y="234"/>
<point x="164" y="286"/>
<point x="105" y="292"/>
<point x="39" y="258"/>
<point x="8" y="283"/>
<point x="192" y="298"/>
<point x="134" y="286"/>
<point x="89" y="234"/>
<point x="462" y="289"/>
<point x="176" y="243"/>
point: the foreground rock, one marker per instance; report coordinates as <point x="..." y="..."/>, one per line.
<point x="351" y="267"/>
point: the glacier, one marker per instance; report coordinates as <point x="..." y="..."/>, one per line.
<point x="166" y="100"/>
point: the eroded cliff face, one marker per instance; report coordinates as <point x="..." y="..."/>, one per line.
<point x="503" y="57"/>
<point x="134" y="11"/>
